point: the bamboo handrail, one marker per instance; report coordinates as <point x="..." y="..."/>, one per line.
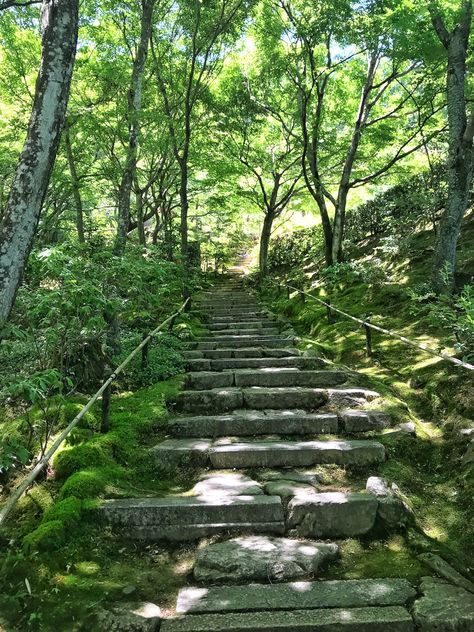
<point x="23" y="486"/>
<point x="393" y="334"/>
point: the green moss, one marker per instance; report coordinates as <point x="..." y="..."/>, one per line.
<point x="41" y="496"/>
<point x="89" y="483"/>
<point x="47" y="537"/>
<point x="80" y="457"/>
<point x="72" y="409"/>
<point x="67" y="511"/>
<point x="364" y="560"/>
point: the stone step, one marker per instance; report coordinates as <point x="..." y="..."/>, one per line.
<point x="228" y="303"/>
<point x="206" y="380"/>
<point x="225" y="454"/>
<point x="261" y="340"/>
<point x="272" y="342"/>
<point x="387" y="619"/>
<point x="295" y="453"/>
<point x="235" y="313"/>
<point x="214" y="401"/>
<point x="262" y="558"/>
<point x="332" y="514"/>
<point x="224" y="336"/>
<point x="255" y="423"/>
<point x="228" y="318"/>
<point x="227" y="364"/>
<point x="243" y="352"/>
<point x="188" y="518"/>
<point x="226" y="309"/>
<point x="258" y="331"/>
<point x="356" y="593"/>
<point x="233" y="325"/>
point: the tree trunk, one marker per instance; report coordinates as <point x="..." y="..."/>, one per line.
<point x="344" y="185"/>
<point x="265" y="242"/>
<point x="134" y="111"/>
<point x="460" y="149"/>
<point x="140" y="218"/>
<point x="22" y="212"/>
<point x="184" y="203"/>
<point x="75" y="185"/>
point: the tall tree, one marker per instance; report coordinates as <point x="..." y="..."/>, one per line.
<point x="184" y="66"/>
<point x="363" y="105"/>
<point x="76" y="187"/>
<point x="263" y="142"/>
<point x="22" y="211"/>
<point x="134" y="113"/>
<point x="461" y="135"/>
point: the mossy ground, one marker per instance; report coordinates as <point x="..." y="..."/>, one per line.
<point x="436" y="396"/>
<point x="52" y="546"/>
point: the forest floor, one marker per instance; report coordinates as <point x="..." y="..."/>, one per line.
<point x="57" y="565"/>
<point x="436" y="396"/>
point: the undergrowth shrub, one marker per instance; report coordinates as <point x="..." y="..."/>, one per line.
<point x="453" y="314"/>
<point x="348" y="273"/>
<point x="164" y="360"/>
<point x="290" y="251"/>
<point x="400" y="210"/>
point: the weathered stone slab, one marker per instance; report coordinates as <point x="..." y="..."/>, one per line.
<point x="182" y="518"/>
<point x="443" y="607"/>
<point x="287" y="490"/>
<point x="210" y="401"/>
<point x="236" y="330"/>
<point x="130" y="617"/>
<point x="446" y="571"/>
<point x="296" y="453"/>
<point x="307" y="364"/>
<point x="254" y="423"/>
<point x="390" y="619"/>
<point x="214" y="354"/>
<point x="348" y="397"/>
<point x="332" y="514"/>
<point x="296" y="476"/>
<point x="248" y="352"/>
<point x="174" y="453"/>
<point x="261" y="558"/>
<point x="393" y="511"/>
<point x="284" y="397"/>
<point x="251" y="324"/>
<point x="198" y="364"/>
<point x="193" y="355"/>
<point x="226" y="484"/>
<point x="358" y="593"/>
<point x="275" y="376"/>
<point x="206" y="380"/>
<point x="244" y="341"/>
<point x="278" y="352"/>
<point x="355" y="421"/>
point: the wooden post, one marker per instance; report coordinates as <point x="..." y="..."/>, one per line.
<point x="302" y="297"/>
<point x="145" y="350"/>
<point x="329" y="312"/>
<point x="105" y="425"/>
<point x="172" y="325"/>
<point x="368" y="338"/>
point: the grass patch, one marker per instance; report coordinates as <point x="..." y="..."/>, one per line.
<point x="54" y="541"/>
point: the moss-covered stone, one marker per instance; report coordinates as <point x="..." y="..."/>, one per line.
<point x="67" y="511"/>
<point x="81" y="457"/>
<point x="48" y="536"/>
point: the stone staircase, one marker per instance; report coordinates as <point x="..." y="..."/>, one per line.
<point x="255" y="417"/>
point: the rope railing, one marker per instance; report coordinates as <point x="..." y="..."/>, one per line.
<point x="368" y="326"/>
<point x="104" y="391"/>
